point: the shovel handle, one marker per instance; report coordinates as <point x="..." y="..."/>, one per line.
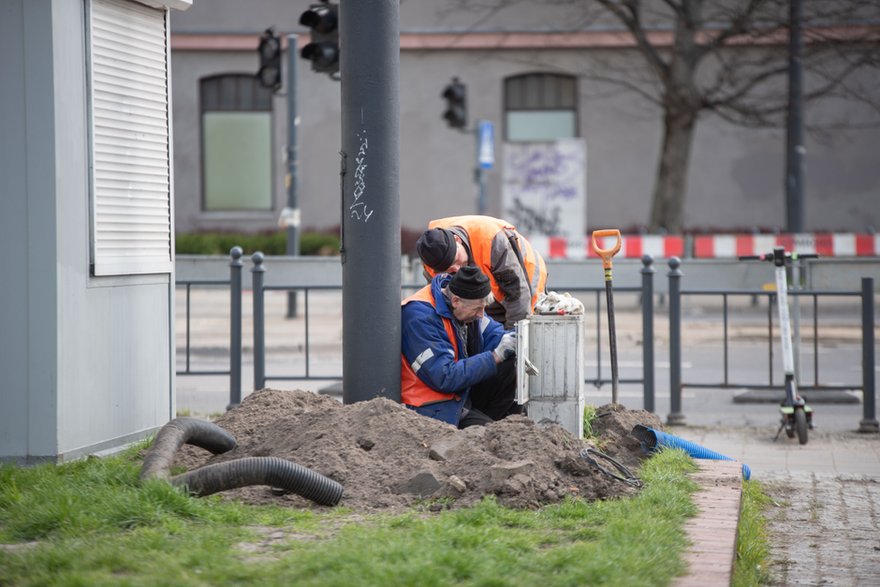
<point x="606" y="254"/>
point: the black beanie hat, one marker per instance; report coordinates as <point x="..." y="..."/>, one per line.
<point x="437" y="248"/>
<point x="470" y="283"/>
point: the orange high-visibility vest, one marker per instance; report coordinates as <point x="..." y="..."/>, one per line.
<point x="414" y="391"/>
<point x="481" y="230"/>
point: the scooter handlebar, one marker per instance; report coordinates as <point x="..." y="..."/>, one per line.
<point x="784" y="257"/>
<point x="767" y="257"/>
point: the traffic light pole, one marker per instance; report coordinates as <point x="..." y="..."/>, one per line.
<point x="794" y="145"/>
<point x="370" y="169"/>
<point x="479" y="175"/>
<point x="293" y="222"/>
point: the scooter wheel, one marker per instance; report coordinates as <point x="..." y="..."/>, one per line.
<point x="800" y="422"/>
<point x="789" y="427"/>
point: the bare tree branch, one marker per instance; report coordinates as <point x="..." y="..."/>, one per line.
<point x="741" y="23"/>
<point x="631" y="20"/>
<point x="730" y="58"/>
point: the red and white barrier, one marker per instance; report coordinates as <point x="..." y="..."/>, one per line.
<point x="631" y="246"/>
<point x="718" y="246"/>
<point x="823" y="244"/>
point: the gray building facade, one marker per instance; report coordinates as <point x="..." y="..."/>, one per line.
<point x="736" y="177"/>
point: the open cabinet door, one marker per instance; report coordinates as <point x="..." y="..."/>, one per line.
<point x="522" y="353"/>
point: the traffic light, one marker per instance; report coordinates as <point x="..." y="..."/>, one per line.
<point x="455" y="95"/>
<point x="269" y="73"/>
<point x="323" y="50"/>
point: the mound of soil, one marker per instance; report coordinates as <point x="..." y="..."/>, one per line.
<point x="389" y="457"/>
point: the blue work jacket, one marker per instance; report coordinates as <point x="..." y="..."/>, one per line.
<point x="436" y="377"/>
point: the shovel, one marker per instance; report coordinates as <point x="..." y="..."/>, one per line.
<point x="606" y="255"/>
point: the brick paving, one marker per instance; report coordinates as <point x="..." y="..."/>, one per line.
<point x="713" y="531"/>
<point x="825" y="530"/>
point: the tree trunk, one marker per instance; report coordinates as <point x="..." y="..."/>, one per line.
<point x="671" y="182"/>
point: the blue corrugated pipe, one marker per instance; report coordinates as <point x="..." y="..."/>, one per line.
<point x="651" y="439"/>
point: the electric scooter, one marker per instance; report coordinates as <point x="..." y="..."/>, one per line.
<point x="797" y="416"/>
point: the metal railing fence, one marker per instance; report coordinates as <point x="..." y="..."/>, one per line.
<point x="647" y="301"/>
<point x="645" y="293"/>
<point x="866" y="386"/>
<point x="235" y="288"/>
<point x="259" y="290"/>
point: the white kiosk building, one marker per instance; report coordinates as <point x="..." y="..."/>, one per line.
<point x="86" y="320"/>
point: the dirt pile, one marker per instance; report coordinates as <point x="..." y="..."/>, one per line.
<point x="388" y="457"/>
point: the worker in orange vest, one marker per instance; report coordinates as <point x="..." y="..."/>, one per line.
<point x="516" y="271"/>
<point x="457" y="364"/>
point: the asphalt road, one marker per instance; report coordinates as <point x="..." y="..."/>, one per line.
<point x="748" y="358"/>
<point x="700" y="406"/>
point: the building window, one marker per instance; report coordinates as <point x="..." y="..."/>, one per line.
<point x="540" y="107"/>
<point x="236" y="143"/>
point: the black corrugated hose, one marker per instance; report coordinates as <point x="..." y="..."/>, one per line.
<point x="261" y="471"/>
<point x="176" y="433"/>
<point x="242" y="472"/>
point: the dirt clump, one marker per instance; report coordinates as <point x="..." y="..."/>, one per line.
<point x="388" y="457"/>
<point x="612" y="426"/>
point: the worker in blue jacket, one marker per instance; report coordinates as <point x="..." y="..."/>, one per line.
<point x="456" y="363"/>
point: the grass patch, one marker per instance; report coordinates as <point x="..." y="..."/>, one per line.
<point x="94" y="523"/>
<point x="752" y="544"/>
<point x="589" y="416"/>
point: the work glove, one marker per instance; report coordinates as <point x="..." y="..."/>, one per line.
<point x="506" y="348"/>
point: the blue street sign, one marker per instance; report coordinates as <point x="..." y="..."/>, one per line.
<point x="486" y="150"/>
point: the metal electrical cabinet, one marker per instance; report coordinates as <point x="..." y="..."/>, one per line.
<point x="555" y="345"/>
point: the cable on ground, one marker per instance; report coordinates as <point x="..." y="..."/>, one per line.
<point x="592" y="456"/>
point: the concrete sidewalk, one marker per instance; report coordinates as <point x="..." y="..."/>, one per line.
<point x="826" y="453"/>
<point x="824" y="520"/>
